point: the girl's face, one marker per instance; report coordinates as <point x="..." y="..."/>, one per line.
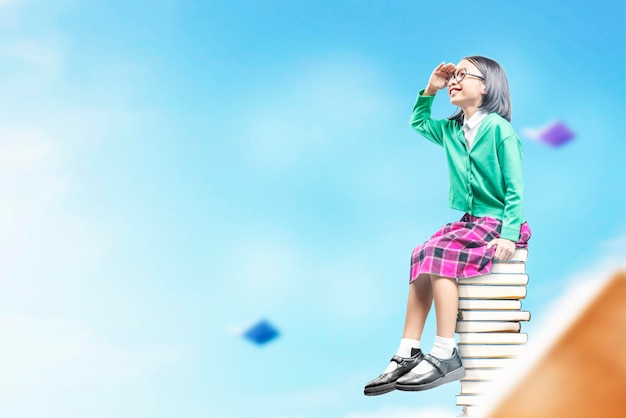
<point x="470" y="90"/>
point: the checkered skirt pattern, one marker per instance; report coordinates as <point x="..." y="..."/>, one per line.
<point x="459" y="249"/>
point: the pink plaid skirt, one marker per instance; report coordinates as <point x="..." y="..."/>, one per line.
<point x="459" y="249"/>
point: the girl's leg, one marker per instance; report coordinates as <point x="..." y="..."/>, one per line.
<point x="446" y="295"/>
<point x="418" y="305"/>
<point x="450" y="367"/>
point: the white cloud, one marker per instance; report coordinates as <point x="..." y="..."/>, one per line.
<point x="351" y="289"/>
<point x="46" y="241"/>
<point x="5" y="3"/>
<point x="23" y="150"/>
<point x="387" y="180"/>
<point x="404" y="412"/>
<point x="302" y="115"/>
<point x="49" y="253"/>
<point x="299" y="401"/>
<point x="34" y="64"/>
<point x="274" y="273"/>
<point x="43" y="241"/>
<point x="36" y="53"/>
<point x="46" y="359"/>
<point x="52" y="249"/>
<point x="263" y="269"/>
<point x="332" y="400"/>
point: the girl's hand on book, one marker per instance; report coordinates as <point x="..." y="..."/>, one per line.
<point x="439" y="78"/>
<point x="504" y="248"/>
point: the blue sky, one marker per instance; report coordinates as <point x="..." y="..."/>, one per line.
<point x="173" y="170"/>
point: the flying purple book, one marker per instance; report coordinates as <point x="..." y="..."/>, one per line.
<point x="554" y="134"/>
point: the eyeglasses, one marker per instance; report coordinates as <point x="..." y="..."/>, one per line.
<point x="461" y="73"/>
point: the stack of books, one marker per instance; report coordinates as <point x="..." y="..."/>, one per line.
<point x="489" y="325"/>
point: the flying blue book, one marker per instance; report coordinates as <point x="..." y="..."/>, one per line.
<point x="261" y="333"/>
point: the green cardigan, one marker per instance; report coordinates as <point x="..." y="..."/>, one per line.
<point x="487" y="179"/>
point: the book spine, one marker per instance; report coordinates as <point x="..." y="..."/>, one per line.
<point x="491" y="292"/>
<point x="488" y="363"/>
<point x="470" y="400"/>
<point x="494" y="315"/>
<point x="487" y="326"/>
<point x="483" y="374"/>
<point x="508" y="267"/>
<point x="488" y="304"/>
<point x="476" y="388"/>
<point x="491" y="350"/>
<point x="492" y="338"/>
<point x="498" y="279"/>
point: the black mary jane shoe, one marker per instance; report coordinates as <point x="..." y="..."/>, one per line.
<point x="444" y="371"/>
<point x="386" y="382"/>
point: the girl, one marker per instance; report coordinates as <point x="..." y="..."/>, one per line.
<point x="484" y="161"/>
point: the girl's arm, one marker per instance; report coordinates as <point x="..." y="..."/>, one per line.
<point x="510" y="158"/>
<point x="420" y="119"/>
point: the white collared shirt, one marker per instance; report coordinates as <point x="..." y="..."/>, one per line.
<point x="470" y="126"/>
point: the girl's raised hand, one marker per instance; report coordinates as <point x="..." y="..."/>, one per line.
<point x="439" y="78"/>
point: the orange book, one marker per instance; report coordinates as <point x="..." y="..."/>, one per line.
<point x="583" y="374"/>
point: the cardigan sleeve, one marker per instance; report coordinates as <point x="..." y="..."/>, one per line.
<point x="421" y="121"/>
<point x="510" y="158"/>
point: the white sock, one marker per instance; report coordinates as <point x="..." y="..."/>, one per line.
<point x="406" y="344"/>
<point x="442" y="349"/>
